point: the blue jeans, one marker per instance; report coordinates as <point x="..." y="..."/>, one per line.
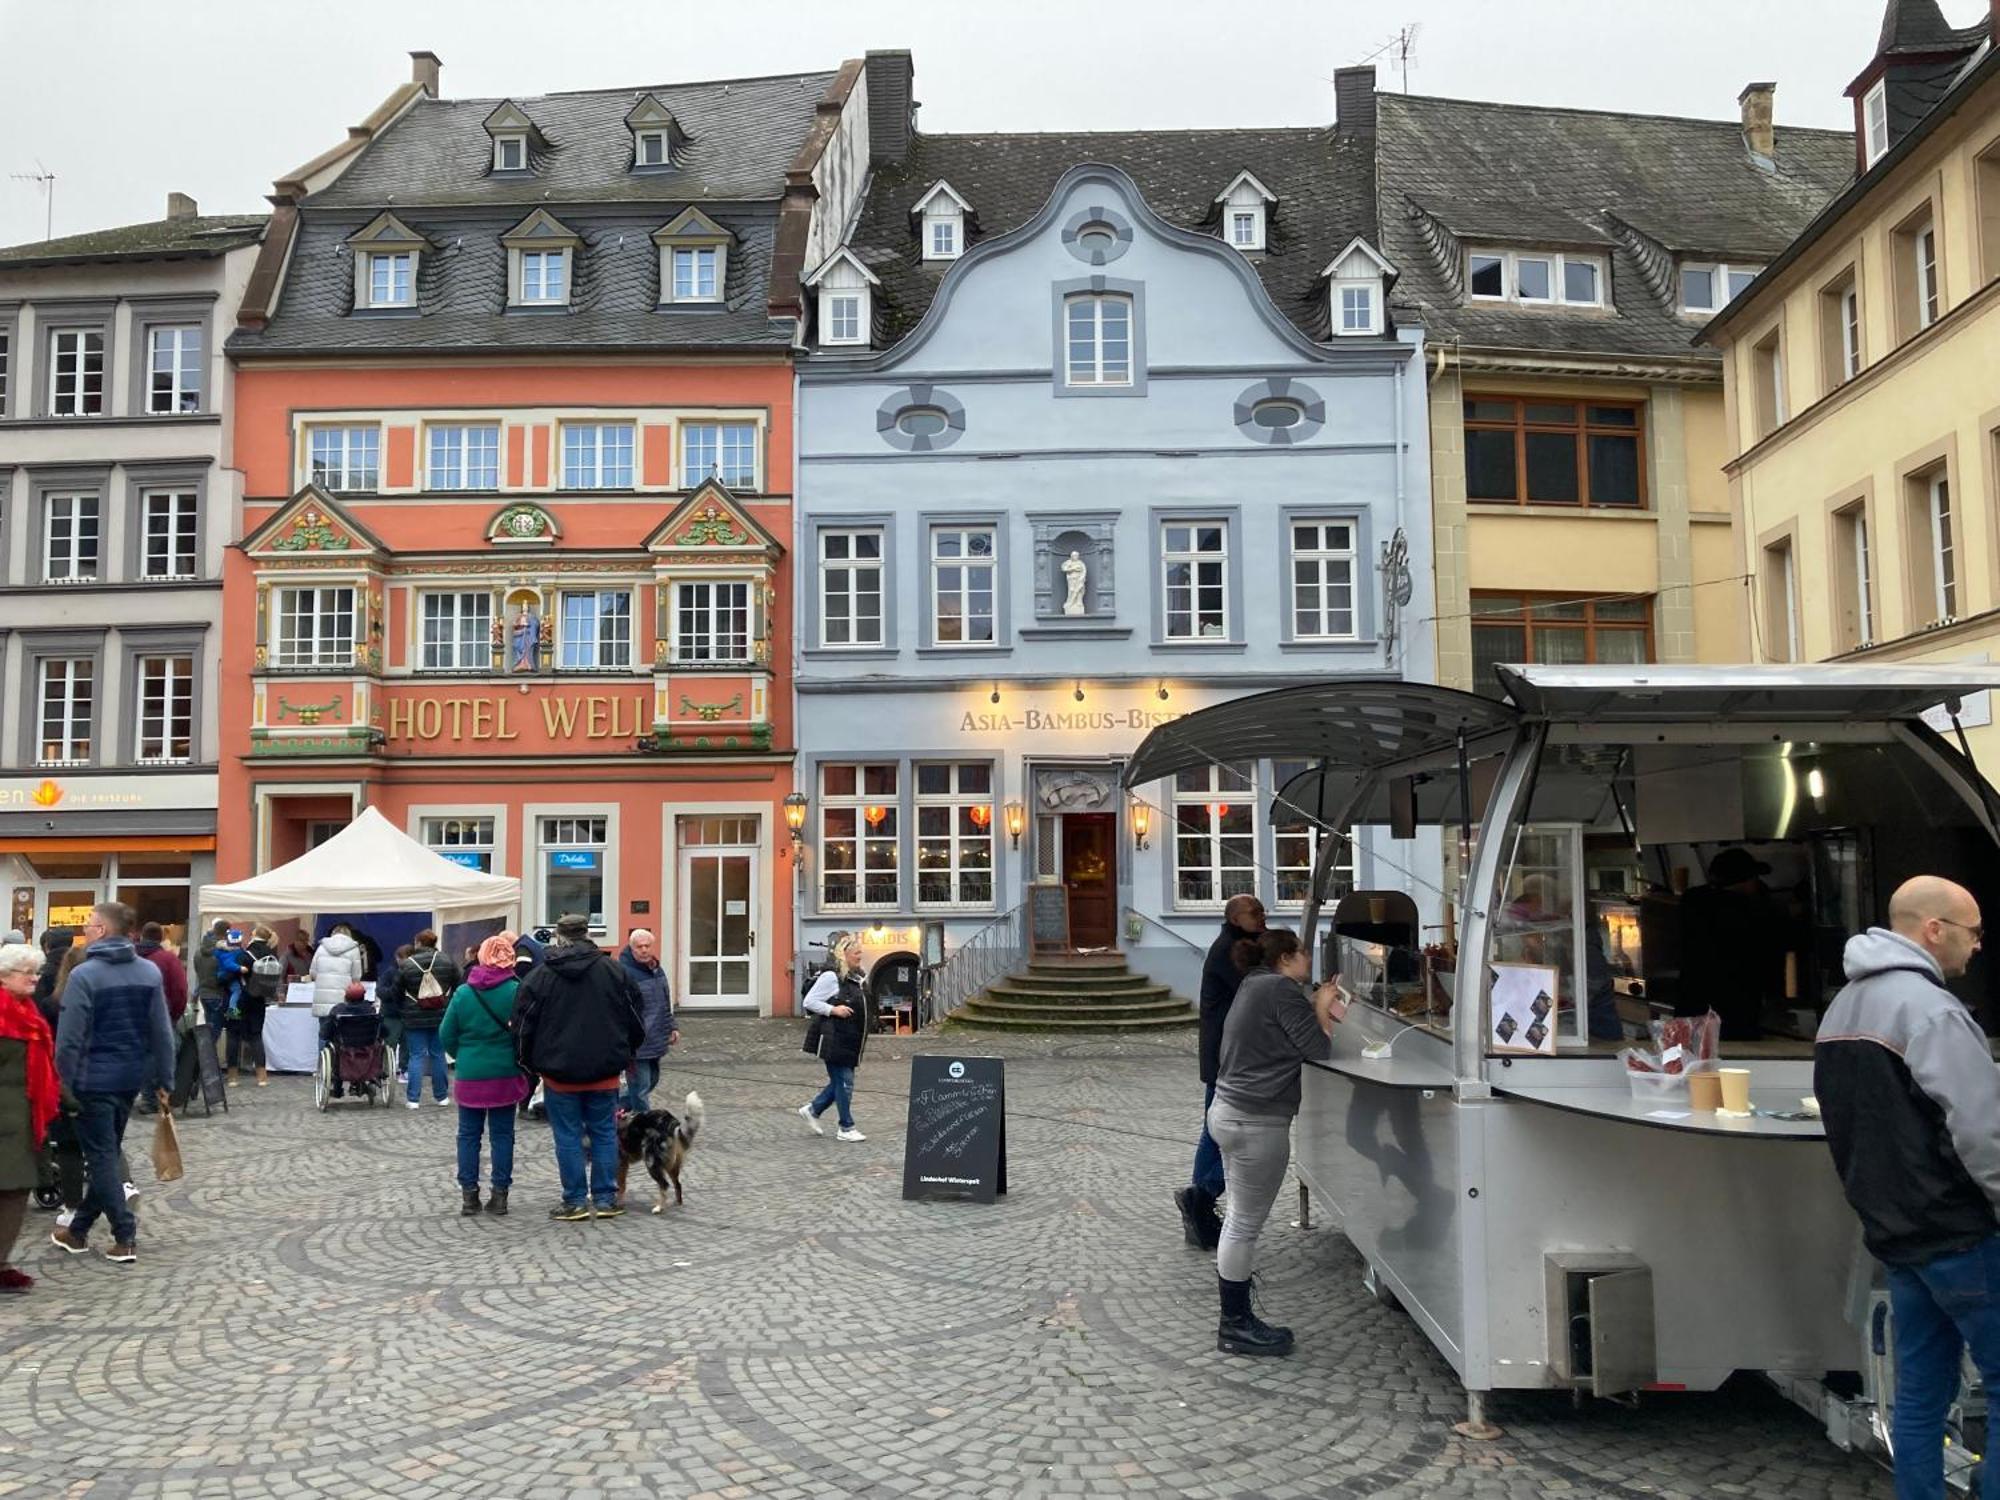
<point x="213" y="1009"/>
<point x="498" y="1125"/>
<point x="1942" y="1308"/>
<point x="1207" y="1155"/>
<point x="640" y="1081"/>
<point x="571" y="1118"/>
<point x="839" y="1090"/>
<point x="422" y="1042"/>
<point x="100" y="1130"/>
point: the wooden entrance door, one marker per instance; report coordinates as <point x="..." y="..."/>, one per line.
<point x="1090" y="871"/>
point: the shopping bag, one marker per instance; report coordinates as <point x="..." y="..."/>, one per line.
<point x="166" y="1148"/>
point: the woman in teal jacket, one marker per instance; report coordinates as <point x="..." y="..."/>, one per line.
<point x="478" y="1030"/>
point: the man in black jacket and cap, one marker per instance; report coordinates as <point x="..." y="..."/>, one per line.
<point x="577" y="1023"/>
<point x="1242" y="920"/>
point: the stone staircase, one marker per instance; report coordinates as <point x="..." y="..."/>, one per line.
<point x="1080" y="992"/>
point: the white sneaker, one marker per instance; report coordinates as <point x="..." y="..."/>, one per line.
<point x="409" y="1104"/>
<point x="806" y="1114"/>
<point x="849" y="1134"/>
<point x="65" y="1218"/>
<point x="444" y="1101"/>
<point x="130" y="1192"/>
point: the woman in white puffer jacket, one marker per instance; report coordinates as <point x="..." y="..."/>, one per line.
<point x="339" y="961"/>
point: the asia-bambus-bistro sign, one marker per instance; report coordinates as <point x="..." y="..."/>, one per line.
<point x="526" y="720"/>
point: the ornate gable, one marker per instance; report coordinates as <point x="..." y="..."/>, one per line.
<point x="312" y="524"/>
<point x="523" y="525"/>
<point x="711" y="523"/>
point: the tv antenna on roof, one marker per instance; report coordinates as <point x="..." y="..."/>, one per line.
<point x="46" y="180"/>
<point x="1403" y="44"/>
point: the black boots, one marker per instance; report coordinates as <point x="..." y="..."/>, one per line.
<point x="1241" y="1331"/>
<point x="496" y="1202"/>
<point x="470" y="1206"/>
<point x="1201" y="1226"/>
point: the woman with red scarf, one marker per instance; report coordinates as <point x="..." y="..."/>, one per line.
<point x="29" y="1095"/>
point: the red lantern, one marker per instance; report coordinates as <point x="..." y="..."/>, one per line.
<point x="981" y="815"/>
<point x="875" y="813"/>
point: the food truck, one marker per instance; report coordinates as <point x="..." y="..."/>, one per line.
<point x="1505" y="1130"/>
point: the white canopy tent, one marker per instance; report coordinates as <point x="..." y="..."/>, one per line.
<point x="370" y="865"/>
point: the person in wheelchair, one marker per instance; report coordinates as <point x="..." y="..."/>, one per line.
<point x="352" y="1032"/>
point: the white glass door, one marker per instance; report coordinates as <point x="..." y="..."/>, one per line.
<point x="718" y="934"/>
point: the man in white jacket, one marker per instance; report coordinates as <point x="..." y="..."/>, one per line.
<point x="339" y="962"/>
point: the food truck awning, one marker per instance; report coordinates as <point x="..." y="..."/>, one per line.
<point x="1803" y="694"/>
<point x="1355" y="723"/>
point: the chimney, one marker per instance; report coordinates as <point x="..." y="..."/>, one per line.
<point x="1755" y="102"/>
<point x="892" y="113"/>
<point x="424" y="69"/>
<point x="1354" y="100"/>
<point x="181" y="206"/>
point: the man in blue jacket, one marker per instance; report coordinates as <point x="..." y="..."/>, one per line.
<point x="114" y="1039"/>
<point x="640" y="959"/>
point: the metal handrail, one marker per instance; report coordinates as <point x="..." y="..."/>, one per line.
<point x="1151" y="922"/>
<point x="989" y="954"/>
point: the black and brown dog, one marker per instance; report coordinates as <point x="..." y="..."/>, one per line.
<point x="662" y="1141"/>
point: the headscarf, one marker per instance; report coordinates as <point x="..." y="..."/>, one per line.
<point x="497" y="952"/>
<point x="22" y="1022"/>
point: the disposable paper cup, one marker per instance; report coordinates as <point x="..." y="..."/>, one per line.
<point x="1735" y="1088"/>
<point x="1704" y="1091"/>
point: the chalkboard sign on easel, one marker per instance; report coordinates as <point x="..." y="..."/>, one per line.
<point x="955" y="1145"/>
<point x="213" y="1090"/>
<point x="1048" y="919"/>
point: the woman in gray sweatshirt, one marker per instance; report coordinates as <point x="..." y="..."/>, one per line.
<point x="1274" y="1025"/>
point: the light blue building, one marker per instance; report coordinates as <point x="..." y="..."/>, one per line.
<point x="1095" y="431"/>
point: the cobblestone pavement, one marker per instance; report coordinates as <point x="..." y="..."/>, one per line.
<point x="311" y="1317"/>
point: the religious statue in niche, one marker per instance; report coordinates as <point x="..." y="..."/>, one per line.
<point x="1075" y="572"/>
<point x="524" y="637"/>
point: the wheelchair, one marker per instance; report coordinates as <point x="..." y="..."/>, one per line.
<point x="356" y="1059"/>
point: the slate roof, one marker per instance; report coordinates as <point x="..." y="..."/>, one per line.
<point x="1919" y="26"/>
<point x="1322" y="183"/>
<point x="176" y="239"/>
<point x="431" y="169"/>
<point x="742" y="135"/>
<point x="1644" y="189"/>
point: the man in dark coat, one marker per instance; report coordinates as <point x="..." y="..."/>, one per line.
<point x="1732" y="946"/>
<point x="1242" y="920"/>
<point x="152" y="946"/>
<point x="640" y="959"/>
<point x="577" y="1024"/>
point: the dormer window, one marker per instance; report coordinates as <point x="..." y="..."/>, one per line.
<point x="541" y="262"/>
<point x="941" y="215"/>
<point x="1245" y="206"/>
<point x="649" y="148"/>
<point x="514" y="138"/>
<point x="655" y="134"/>
<point x="510" y="153"/>
<point x="846" y="291"/>
<point x="1709" y="287"/>
<point x="694" y="259"/>
<point x="1357" y="287"/>
<point x="1875" y="123"/>
<point x="1536" y="277"/>
<point x="386" y="255"/>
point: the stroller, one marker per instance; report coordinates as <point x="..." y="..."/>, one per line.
<point x="353" y="1057"/>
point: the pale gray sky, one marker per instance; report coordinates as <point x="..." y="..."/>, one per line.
<point x="126" y="99"/>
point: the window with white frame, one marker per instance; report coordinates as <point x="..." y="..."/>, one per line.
<point x="1850" y="332"/>
<point x="712" y="622"/>
<point x="859" y="835"/>
<point x="6" y="346"/>
<point x="954" y="833"/>
<point x="649" y="148"/>
<point x="573" y="854"/>
<point x="170" y="522"/>
<point x="850" y="588"/>
<point x="1215" y="835"/>
<point x="463" y="457"/>
<point x="1323" y="579"/>
<point x="392" y="278"/>
<point x="1245" y="230"/>
<point x="1194" y="579"/>
<point x="725" y="450"/>
<point x="76" y="372"/>
<point x="346" y="458"/>
<point x="166" y="710"/>
<point x="1357" y="308"/>
<point x="597" y="455"/>
<point x="962" y="575"/>
<point x="457" y="632"/>
<point x="596" y="634"/>
<point x="1943" y="549"/>
<point x="67" y="699"/>
<point x="173" y="365"/>
<point x="510" y="153"/>
<point x="1296" y="840"/>
<point x="1708" y="287"/>
<point x="1547" y="277"/>
<point x="315" y="626"/>
<point x="467" y="841"/>
<point x="69" y="538"/>
<point x="941" y="235"/>
<point x="1875" y="122"/>
<point x="840" y="318"/>
<point x="544" y="277"/>
<point x="1098" y="338"/>
<point x="1925" y="244"/>
<point x="695" y="278"/>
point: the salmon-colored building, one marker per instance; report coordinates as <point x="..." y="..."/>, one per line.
<point x="514" y="403"/>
